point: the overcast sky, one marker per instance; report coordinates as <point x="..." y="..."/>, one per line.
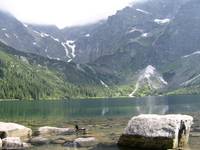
<point x="62" y="12"/>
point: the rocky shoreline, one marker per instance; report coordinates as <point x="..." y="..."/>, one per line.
<point x="100" y="133"/>
<point x="15" y="136"/>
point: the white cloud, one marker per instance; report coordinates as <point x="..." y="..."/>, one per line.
<point x="62" y="12"/>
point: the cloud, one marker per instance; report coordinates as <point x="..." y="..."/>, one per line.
<point x="62" y="12"/>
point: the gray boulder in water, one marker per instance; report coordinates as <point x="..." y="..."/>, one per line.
<point x="14" y="143"/>
<point x="39" y="141"/>
<point x="85" y="142"/>
<point x="157" y="131"/>
<point x="14" y="130"/>
<point x="47" y="131"/>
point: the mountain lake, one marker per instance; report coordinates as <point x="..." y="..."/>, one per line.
<point x="104" y="119"/>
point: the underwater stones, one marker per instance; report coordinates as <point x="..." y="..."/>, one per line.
<point x="69" y="144"/>
<point x="85" y="142"/>
<point x="157" y="131"/>
<point x="82" y="142"/>
<point x="39" y="141"/>
<point x="45" y="131"/>
<point x="14" y="130"/>
<point x="58" y="141"/>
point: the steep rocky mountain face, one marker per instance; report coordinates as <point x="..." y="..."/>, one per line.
<point x="144" y="48"/>
<point x="46" y="41"/>
<point x="181" y="37"/>
<point x="133" y="30"/>
<point x="184" y="73"/>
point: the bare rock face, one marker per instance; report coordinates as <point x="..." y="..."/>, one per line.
<point x="157" y="131"/>
<point x="14" y="130"/>
<point x="48" y="131"/>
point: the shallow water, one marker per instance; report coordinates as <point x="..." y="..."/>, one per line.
<point x="105" y="119"/>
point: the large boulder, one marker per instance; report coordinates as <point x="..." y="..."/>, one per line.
<point x="49" y="131"/>
<point x="157" y="131"/>
<point x="13" y="143"/>
<point x="14" y="130"/>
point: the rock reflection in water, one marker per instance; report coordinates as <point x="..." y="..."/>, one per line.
<point x="152" y="105"/>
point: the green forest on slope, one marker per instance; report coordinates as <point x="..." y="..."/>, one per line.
<point x="21" y="80"/>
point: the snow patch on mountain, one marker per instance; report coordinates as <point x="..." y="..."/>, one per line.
<point x="87" y="35"/>
<point x="162" y="21"/>
<point x="25" y="25"/>
<point x="104" y="84"/>
<point x="69" y="60"/>
<point x="145" y="35"/>
<point x="189" y="81"/>
<point x="66" y="50"/>
<point x="143" y="11"/>
<point x="72" y="46"/>
<point x="133" y="29"/>
<point x="6" y="34"/>
<point x="3" y="29"/>
<point x="55" y="39"/>
<point x="44" y="35"/>
<point x="192" y="54"/>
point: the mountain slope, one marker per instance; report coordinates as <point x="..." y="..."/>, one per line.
<point x="28" y="76"/>
<point x="46" y="41"/>
<point x="134" y="29"/>
<point x="148" y="81"/>
<point x="183" y="75"/>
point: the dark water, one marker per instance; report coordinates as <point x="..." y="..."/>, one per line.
<point x="37" y="113"/>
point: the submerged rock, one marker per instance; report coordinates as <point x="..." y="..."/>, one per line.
<point x="157" y="131"/>
<point x="58" y="141"/>
<point x="69" y="144"/>
<point x="85" y="142"/>
<point x="14" y="130"/>
<point x="14" y="143"/>
<point x="46" y="131"/>
<point x="39" y="141"/>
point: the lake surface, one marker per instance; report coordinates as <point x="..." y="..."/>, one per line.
<point x="104" y="118"/>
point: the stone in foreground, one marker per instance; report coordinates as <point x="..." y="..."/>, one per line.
<point x="85" y="142"/>
<point x="13" y="143"/>
<point x="157" y="132"/>
<point x="47" y="131"/>
<point x="14" y="130"/>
